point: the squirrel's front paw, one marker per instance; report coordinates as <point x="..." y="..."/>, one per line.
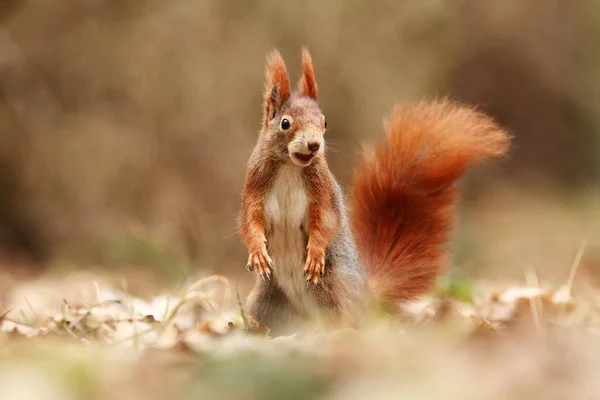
<point x="315" y="265"/>
<point x="260" y="261"/>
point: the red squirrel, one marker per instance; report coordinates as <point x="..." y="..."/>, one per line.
<point x="311" y="254"/>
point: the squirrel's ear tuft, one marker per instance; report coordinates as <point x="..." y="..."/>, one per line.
<point x="278" y="87"/>
<point x="307" y="86"/>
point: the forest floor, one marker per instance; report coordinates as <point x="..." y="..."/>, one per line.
<point x="83" y="338"/>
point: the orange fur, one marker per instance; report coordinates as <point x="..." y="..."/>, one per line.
<point x="401" y="205"/>
<point x="323" y="218"/>
<point x="259" y="176"/>
<point x="307" y="85"/>
<point x="278" y="87"/>
<point x="403" y="193"/>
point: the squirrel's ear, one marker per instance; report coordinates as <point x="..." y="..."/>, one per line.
<point x="307" y="86"/>
<point x="278" y="87"/>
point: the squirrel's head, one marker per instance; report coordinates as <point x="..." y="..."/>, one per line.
<point x="293" y="123"/>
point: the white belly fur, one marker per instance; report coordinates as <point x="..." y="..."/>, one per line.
<point x="286" y="211"/>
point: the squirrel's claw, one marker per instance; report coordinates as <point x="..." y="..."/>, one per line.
<point x="249" y="266"/>
<point x="314" y="267"/>
<point x="260" y="262"/>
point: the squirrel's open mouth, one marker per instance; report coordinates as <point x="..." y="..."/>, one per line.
<point x="304" y="158"/>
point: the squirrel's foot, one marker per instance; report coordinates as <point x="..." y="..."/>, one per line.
<point x="315" y="265"/>
<point x="260" y="262"/>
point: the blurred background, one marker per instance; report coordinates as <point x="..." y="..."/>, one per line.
<point x="125" y="125"/>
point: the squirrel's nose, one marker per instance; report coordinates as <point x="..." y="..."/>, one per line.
<point x="314" y="146"/>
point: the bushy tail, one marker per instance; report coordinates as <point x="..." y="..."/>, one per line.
<point x="403" y="195"/>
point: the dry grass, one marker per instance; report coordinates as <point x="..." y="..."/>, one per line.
<point x="88" y="340"/>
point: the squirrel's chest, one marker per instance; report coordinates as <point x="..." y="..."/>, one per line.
<point x="286" y="207"/>
<point x="286" y="214"/>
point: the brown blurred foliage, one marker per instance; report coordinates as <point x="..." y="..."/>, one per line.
<point x="125" y="125"/>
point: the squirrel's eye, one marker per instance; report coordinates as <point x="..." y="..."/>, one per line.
<point x="325" y="124"/>
<point x="285" y="124"/>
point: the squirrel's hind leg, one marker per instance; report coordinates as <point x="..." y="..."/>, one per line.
<point x="271" y="307"/>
